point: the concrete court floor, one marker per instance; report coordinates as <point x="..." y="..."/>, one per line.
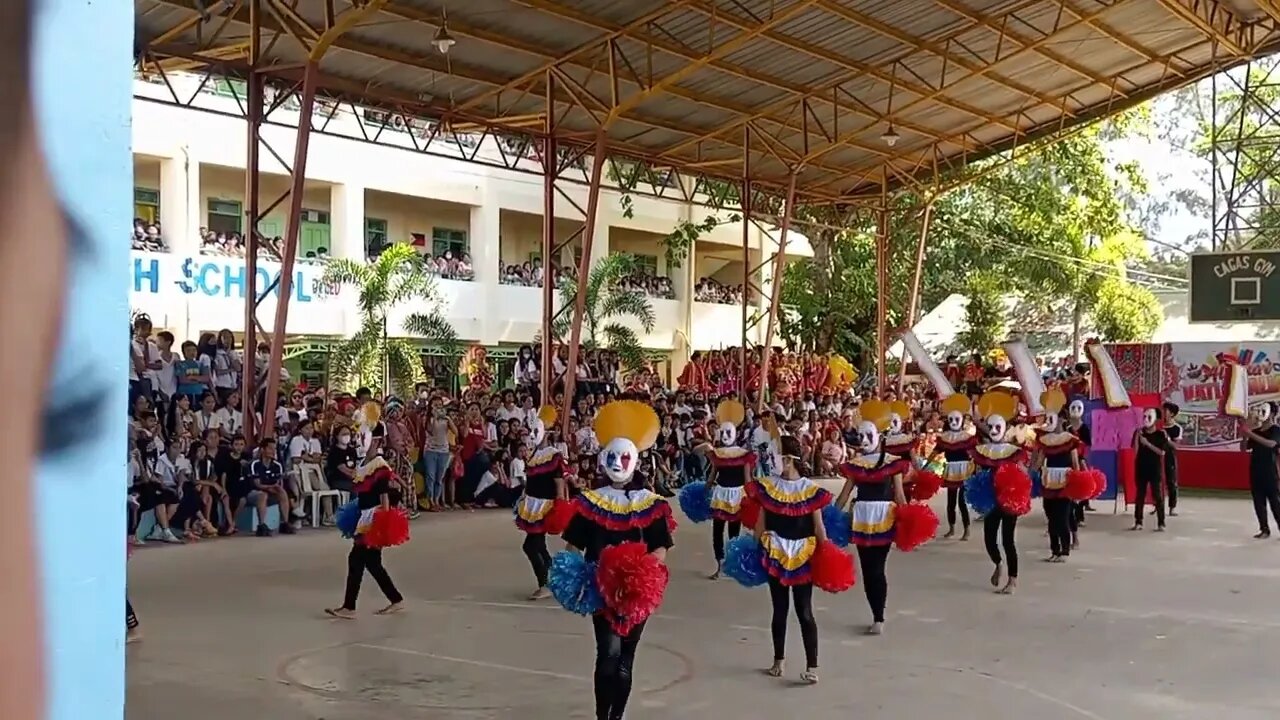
<point x="1174" y="626"/>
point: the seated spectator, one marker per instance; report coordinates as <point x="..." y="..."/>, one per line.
<point x="495" y="488"/>
<point x="266" y="476"/>
<point x="205" y="482"/>
<point x="149" y="493"/>
<point x="341" y="462"/>
<point x="229" y="464"/>
<point x="307" y="459"/>
<point x="230" y="417"/>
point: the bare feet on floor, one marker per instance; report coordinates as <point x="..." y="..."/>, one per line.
<point x="995" y="576"/>
<point x="540" y="594"/>
<point x="775" y="670"/>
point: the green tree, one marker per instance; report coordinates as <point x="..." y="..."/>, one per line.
<point x="607" y="305"/>
<point x="370" y="357"/>
<point x="1126" y="312"/>
<point x="984" y="313"/>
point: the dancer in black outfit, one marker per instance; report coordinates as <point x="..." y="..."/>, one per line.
<point x="1174" y="431"/>
<point x="731" y="468"/>
<point x="1084" y="438"/>
<point x="955" y="443"/>
<point x="544" y="486"/>
<point x="1055" y="456"/>
<point x="789" y="529"/>
<point x="618" y="513"/>
<point x="1151" y="445"/>
<point x="996" y="409"/>
<point x="1261" y="438"/>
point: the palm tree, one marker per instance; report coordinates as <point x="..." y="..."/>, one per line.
<point x="607" y="304"/>
<point x="370" y="357"/>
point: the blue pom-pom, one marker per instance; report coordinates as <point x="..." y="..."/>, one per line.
<point x="839" y="525"/>
<point x="572" y="581"/>
<point x="347" y="518"/>
<point x="744" y="561"/>
<point x="980" y="492"/>
<point x="695" y="501"/>
<point x="1037" y="485"/>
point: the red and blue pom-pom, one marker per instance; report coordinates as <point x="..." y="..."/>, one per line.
<point x="980" y="491"/>
<point x="390" y="528"/>
<point x="832" y="568"/>
<point x="632" y="583"/>
<point x="838" y="524"/>
<point x="927" y="484"/>
<point x="557" y="521"/>
<point x="1013" y="489"/>
<point x="572" y="582"/>
<point x="744" y="561"/>
<point x="695" y="501"/>
<point x="1081" y="485"/>
<point x="914" y="524"/>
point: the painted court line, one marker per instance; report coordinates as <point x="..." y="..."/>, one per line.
<point x="473" y="663"/>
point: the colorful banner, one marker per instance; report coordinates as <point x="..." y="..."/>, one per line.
<point x="1200" y="370"/>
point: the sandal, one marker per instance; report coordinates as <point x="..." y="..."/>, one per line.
<point x="810" y="676"/>
<point x="340" y="613"/>
<point x="775" y="670"/>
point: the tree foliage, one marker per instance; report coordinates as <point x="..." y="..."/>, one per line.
<point x="1125" y="312"/>
<point x="371" y="358"/>
<point x="606" y="308"/>
<point x="984" y="321"/>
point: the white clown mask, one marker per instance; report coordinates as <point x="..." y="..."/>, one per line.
<point x="895" y="424"/>
<point x="1052" y="421"/>
<point x="955" y="421"/>
<point x="869" y="437"/>
<point x="618" y="459"/>
<point x="1261" y="412"/>
<point x="727" y="434"/>
<point x="1076" y="409"/>
<point x="1149" y="417"/>
<point x="996" y="428"/>
<point x="537" y="432"/>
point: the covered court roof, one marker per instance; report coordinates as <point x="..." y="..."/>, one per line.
<point x="850" y="94"/>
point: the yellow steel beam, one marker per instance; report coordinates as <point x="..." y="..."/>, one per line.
<point x="1271" y="8"/>
<point x="717" y="52"/>
<point x="1213" y="19"/>
<point x="342" y="24"/>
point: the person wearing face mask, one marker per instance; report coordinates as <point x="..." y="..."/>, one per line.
<point x="341" y="461"/>
<point x="878" y="477"/>
<point x="789" y="529"/>
<point x="544" y="488"/>
<point x="620" y="512"/>
<point x="1084" y="438"/>
<point x="731" y="467"/>
<point x="1055" y="456"/>
<point x="956" y="443"/>
<point x="994" y="453"/>
<point x="1260" y="436"/>
<point x="1151" y="444"/>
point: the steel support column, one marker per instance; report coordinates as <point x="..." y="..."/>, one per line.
<point x="882" y="285"/>
<point x="584" y="267"/>
<point x="290" y="250"/>
<point x="747" y="262"/>
<point x="775" y="289"/>
<point x="913" y="302"/>
<point x="255" y="100"/>
<point x="550" y="168"/>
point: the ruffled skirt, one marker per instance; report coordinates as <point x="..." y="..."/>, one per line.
<point x="873" y="522"/>
<point x="726" y="503"/>
<point x="788" y="560"/>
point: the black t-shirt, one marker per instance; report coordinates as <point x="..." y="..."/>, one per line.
<point x="1149" y="463"/>
<point x="1171" y="454"/>
<point x="266" y="473"/>
<point x="339" y="457"/>
<point x="1262" y="460"/>
<point x="591" y="538"/>
<point x="231" y="469"/>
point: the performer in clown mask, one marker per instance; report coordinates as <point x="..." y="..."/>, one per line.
<point x="1084" y="438"/>
<point x="544" y="486"/>
<point x="899" y="441"/>
<point x="1151" y="444"/>
<point x="1261" y="437"/>
<point x="878" y="478"/>
<point x="619" y="513"/>
<point x="731" y="467"/>
<point x="1055" y="455"/>
<point x="999" y="525"/>
<point x="955" y="443"/>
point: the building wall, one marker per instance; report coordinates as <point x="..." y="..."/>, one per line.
<point x="186" y="155"/>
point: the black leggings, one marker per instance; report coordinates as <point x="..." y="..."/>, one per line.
<point x="360" y="559"/>
<point x="804" y="613"/>
<point x="873" y="559"/>
<point x="1059" y="511"/>
<point x="130" y="618"/>
<point x="1077" y="514"/>
<point x="999" y="523"/>
<point x="535" y="548"/>
<point x="1145" y="481"/>
<point x="1265" y="491"/>
<point x="955" y="496"/>
<point x="615" y="656"/>
<point x="717" y="535"/>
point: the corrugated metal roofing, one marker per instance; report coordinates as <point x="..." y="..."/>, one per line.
<point x="956" y="78"/>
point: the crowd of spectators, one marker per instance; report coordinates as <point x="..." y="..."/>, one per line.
<point x="147" y="236"/>
<point x="712" y="291"/>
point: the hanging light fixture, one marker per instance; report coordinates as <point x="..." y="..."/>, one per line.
<point x="442" y="40"/>
<point x="890" y="136"/>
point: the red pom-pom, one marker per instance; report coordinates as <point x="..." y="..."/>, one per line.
<point x="927" y="485"/>
<point x="913" y="525"/>
<point x="1013" y="489"/>
<point x="390" y="528"/>
<point x="1080" y="486"/>
<point x="749" y="511"/>
<point x="557" y="521"/>
<point x="832" y="568"/>
<point x="632" y="582"/>
<point x="671" y="523"/>
<point x="1099" y="483"/>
